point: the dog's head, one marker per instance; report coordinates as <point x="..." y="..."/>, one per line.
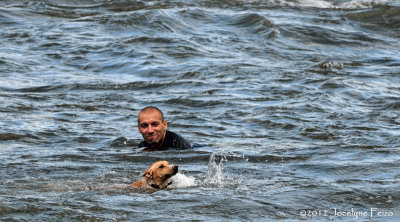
<point x="159" y="173"/>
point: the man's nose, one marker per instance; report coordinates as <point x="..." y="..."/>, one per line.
<point x="150" y="129"/>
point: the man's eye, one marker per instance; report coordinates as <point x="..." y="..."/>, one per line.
<point x="144" y="125"/>
<point x="162" y="166"/>
<point x="155" y="124"/>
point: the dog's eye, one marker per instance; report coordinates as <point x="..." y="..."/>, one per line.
<point x="162" y="166"/>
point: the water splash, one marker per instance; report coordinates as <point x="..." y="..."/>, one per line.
<point x="215" y="170"/>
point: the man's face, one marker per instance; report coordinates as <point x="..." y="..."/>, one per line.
<point x="151" y="126"/>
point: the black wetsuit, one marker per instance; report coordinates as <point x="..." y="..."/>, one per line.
<point x="172" y="140"/>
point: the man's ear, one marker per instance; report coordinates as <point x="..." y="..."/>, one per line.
<point x="148" y="173"/>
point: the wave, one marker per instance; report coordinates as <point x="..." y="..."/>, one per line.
<point x="257" y="23"/>
<point x="10" y="136"/>
<point x="385" y="21"/>
<point x="19" y="136"/>
<point x="96" y="86"/>
<point x="327" y="35"/>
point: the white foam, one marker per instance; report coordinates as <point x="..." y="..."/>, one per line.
<point x="352" y="4"/>
<point x="362" y="4"/>
<point x="182" y="181"/>
<point x="316" y="3"/>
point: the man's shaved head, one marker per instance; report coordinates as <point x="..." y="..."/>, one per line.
<point x="151" y="109"/>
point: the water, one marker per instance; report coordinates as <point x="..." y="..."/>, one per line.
<point x="294" y="107"/>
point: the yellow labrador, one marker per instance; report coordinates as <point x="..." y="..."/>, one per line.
<point x="156" y="176"/>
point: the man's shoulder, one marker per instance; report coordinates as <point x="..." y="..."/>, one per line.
<point x="174" y="140"/>
<point x="172" y="134"/>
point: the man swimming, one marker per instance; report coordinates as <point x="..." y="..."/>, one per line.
<point x="153" y="127"/>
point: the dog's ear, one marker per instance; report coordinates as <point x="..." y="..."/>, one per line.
<point x="148" y="173"/>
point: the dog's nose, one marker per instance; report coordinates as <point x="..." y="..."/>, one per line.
<point x="175" y="167"/>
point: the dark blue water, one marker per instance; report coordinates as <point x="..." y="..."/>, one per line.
<point x="295" y="105"/>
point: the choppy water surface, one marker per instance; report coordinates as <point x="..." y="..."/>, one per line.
<point x="295" y="106"/>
